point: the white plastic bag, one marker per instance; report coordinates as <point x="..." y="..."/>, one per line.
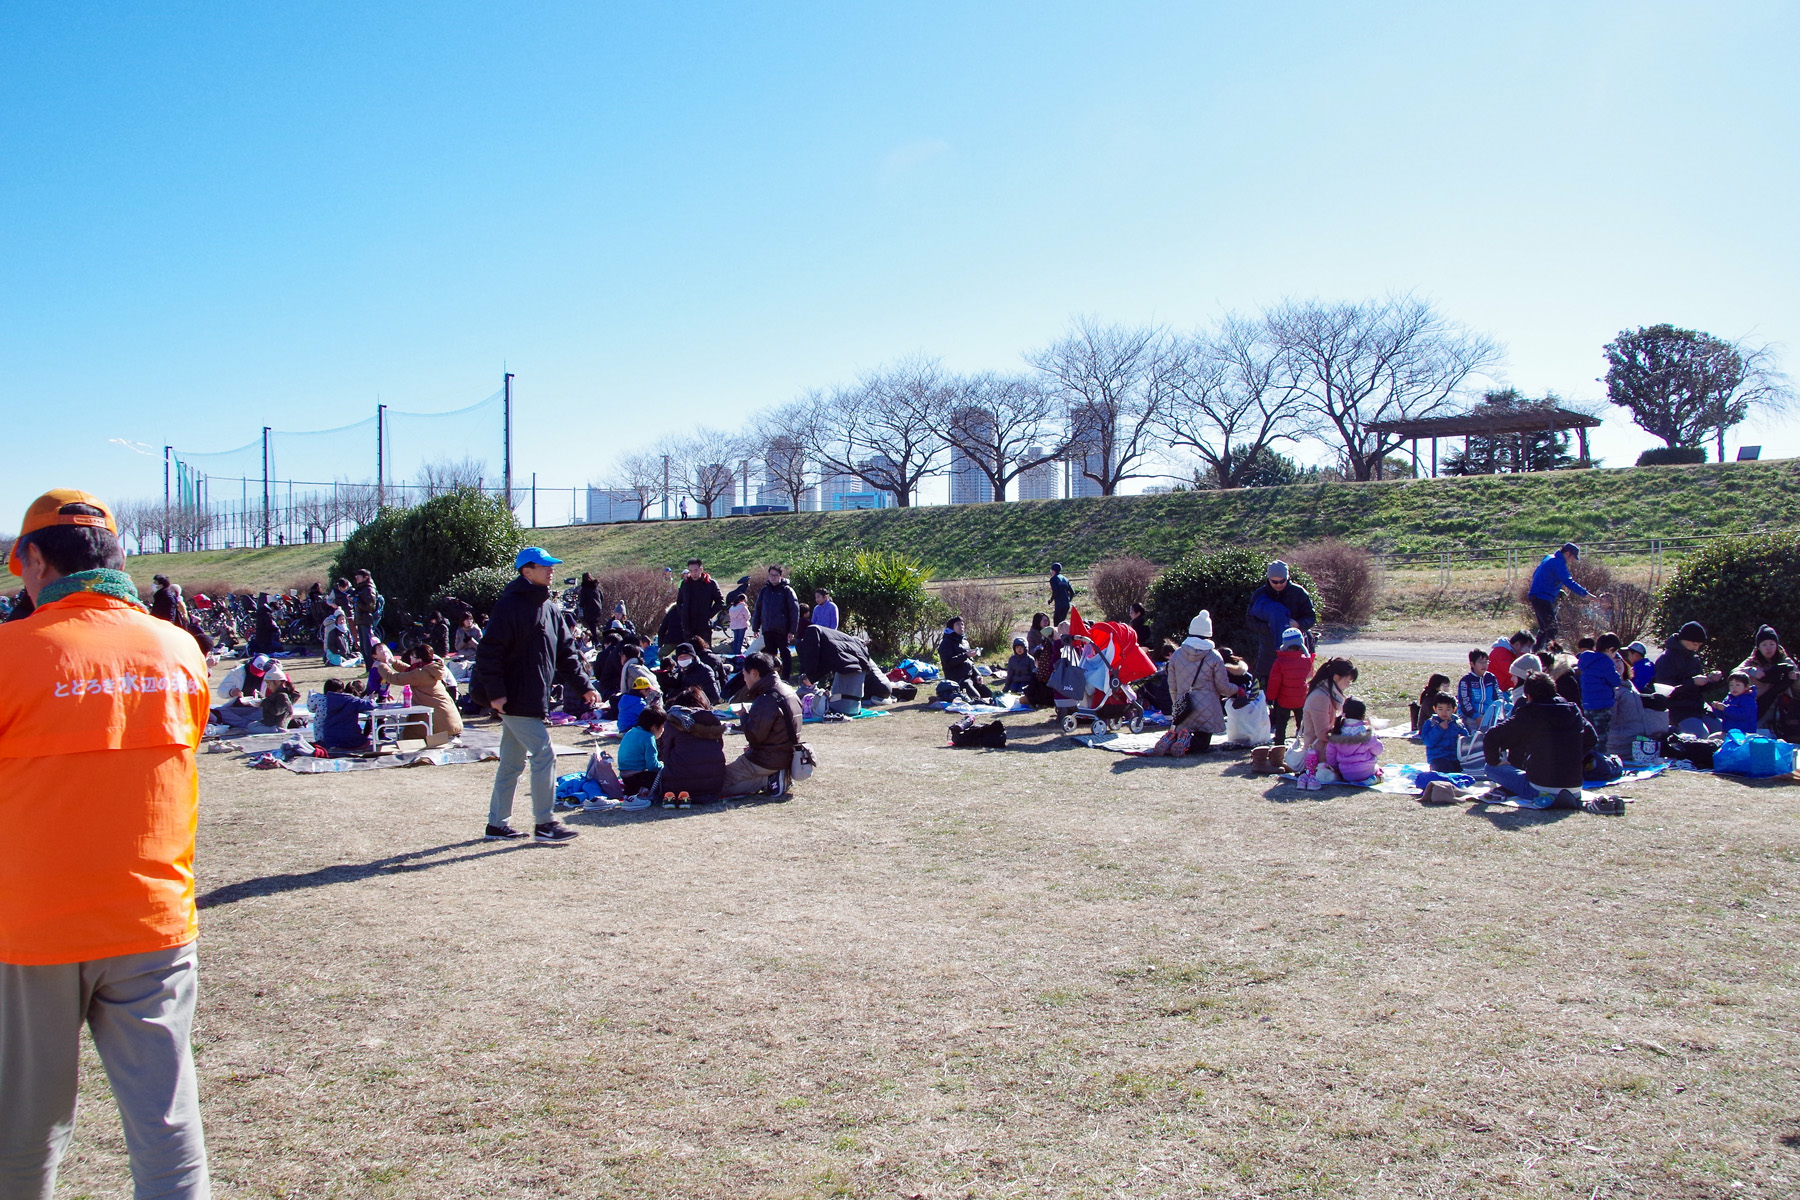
<point x="1249" y="725"/>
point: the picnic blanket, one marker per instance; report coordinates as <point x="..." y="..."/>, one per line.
<point x="1120" y="743"/>
<point x="981" y="710"/>
<point x="1400" y="781"/>
<point x="479" y="745"/>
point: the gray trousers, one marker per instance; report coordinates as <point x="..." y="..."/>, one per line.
<point x="140" y="1010"/>
<point x="521" y="737"/>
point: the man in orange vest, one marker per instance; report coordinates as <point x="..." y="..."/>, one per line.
<point x="101" y="709"/>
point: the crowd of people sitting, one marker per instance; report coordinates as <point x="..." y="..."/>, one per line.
<point x="1530" y="714"/>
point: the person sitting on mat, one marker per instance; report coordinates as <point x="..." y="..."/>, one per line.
<point x="639" y="759"/>
<point x="1547" y="740"/>
<point x="1440" y="732"/>
<point x="342" y="727"/>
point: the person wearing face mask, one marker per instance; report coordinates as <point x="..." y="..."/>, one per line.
<point x="689" y="671"/>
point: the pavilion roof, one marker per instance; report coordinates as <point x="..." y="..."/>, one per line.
<point x="1489" y="420"/>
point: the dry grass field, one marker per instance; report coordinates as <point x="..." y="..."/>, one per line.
<point x="1043" y="971"/>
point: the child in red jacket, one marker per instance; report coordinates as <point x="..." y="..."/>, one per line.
<point x="1287" y="681"/>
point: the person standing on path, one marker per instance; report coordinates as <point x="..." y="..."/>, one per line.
<point x="525" y="648"/>
<point x="1062" y="593"/>
<point x="368" y="612"/>
<point x="1277" y="606"/>
<point x="777" y="617"/>
<point x="1547" y="584"/>
<point x="101" y="709"/>
<point x="698" y="603"/>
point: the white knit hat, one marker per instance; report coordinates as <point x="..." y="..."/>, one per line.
<point x="1201" y="626"/>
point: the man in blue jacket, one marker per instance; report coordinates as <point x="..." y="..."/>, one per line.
<point x="1547" y="584"/>
<point x="1062" y="593"/>
<point x="1277" y="606"/>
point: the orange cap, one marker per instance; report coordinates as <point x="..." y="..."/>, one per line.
<point x="45" y="512"/>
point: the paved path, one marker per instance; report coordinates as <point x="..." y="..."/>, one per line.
<point x="1383" y="650"/>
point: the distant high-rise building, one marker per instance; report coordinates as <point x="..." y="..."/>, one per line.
<point x="969" y="484"/>
<point x="786" y="457"/>
<point x="1042" y="482"/>
<point x="1086" y="453"/>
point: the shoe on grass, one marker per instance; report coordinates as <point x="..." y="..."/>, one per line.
<point x="635" y="804"/>
<point x="596" y="803"/>
<point x="1608" y="806"/>
<point x="684" y="801"/>
<point x="668" y="799"/>
<point x="553" y="833"/>
<point x="501" y="833"/>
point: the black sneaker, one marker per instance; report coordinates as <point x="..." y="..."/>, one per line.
<point x="553" y="833"/>
<point x="501" y="833"/>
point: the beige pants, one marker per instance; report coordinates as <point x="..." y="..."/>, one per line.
<point x="743" y="777"/>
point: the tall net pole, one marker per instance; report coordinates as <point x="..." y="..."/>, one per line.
<point x="506" y="436"/>
<point x="265" y="513"/>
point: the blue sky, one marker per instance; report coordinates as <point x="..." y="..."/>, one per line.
<point x="218" y="217"/>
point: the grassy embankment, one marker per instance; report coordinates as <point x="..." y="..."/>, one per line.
<point x="1021" y="537"/>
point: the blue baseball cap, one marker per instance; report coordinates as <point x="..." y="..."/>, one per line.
<point x="534" y="556"/>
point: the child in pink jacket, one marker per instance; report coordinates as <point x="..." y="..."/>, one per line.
<point x="1352" y="747"/>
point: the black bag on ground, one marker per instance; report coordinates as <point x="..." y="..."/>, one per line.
<point x="906" y="691"/>
<point x="991" y="736"/>
<point x="1154" y="692"/>
<point x="1688" y="748"/>
<point x="1601" y="768"/>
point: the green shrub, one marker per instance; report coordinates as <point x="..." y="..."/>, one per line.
<point x="1731" y="587"/>
<point x="1663" y="456"/>
<point x="1220" y="581"/>
<point x="413" y="552"/>
<point x="479" y="587"/>
<point x="879" y="593"/>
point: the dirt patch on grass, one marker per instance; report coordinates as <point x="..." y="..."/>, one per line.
<point x="1039" y="971"/>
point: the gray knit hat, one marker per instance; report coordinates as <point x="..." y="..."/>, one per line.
<point x="1278" y="570"/>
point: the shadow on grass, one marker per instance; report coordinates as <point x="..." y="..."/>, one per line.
<point x="394" y="864"/>
<point x="1506" y="817"/>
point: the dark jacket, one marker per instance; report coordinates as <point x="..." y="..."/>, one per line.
<point x="1677" y="664"/>
<point x="668" y="631"/>
<point x="772" y="726"/>
<point x="693" y="753"/>
<point x="1062" y="592"/>
<point x="437" y="636"/>
<point x="368" y="600"/>
<point x="777" y="608"/>
<point x="953" y="655"/>
<point x="698" y="601"/>
<point x="341" y="728"/>
<point x="824" y="652"/>
<point x="587" y="605"/>
<point x="526" y="647"/>
<point x="163" y="605"/>
<point x="1269" y="614"/>
<point x="698" y="675"/>
<point x="1550" y="740"/>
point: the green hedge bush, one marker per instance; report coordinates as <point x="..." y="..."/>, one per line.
<point x="1731" y="587"/>
<point x="414" y="552"/>
<point x="478" y="587"/>
<point x="879" y="593"/>
<point x="1666" y="456"/>
<point x="1220" y="581"/>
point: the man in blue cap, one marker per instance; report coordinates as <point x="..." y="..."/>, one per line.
<point x="1547" y="584"/>
<point x="525" y="648"/>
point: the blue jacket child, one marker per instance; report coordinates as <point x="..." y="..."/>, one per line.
<point x="342" y="727"/>
<point x="1740" y="712"/>
<point x="1599" y="680"/>
<point x="1441" y="740"/>
<point x="1474" y="693"/>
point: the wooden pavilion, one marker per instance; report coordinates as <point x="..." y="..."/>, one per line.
<point x="1489" y="420"/>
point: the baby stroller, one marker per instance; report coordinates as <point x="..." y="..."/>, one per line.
<point x="1117" y="663"/>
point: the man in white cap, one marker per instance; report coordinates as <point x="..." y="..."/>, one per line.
<point x="1277" y="606"/>
<point x="525" y="648"/>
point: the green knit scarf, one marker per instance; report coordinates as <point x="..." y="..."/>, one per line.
<point x="104" y="580"/>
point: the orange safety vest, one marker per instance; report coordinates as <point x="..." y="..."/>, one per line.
<point x="101" y="708"/>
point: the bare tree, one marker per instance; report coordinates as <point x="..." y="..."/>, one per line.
<point x="358" y="503"/>
<point x="1004" y="424"/>
<point x="1231" y="396"/>
<point x="141" y="521"/>
<point x="781" y="446"/>
<point x="639" y="476"/>
<point x="1114" y="382"/>
<point x="448" y="475"/>
<point x="701" y="465"/>
<point x="883" y="430"/>
<point x="1381" y="360"/>
<point x="317" y="511"/>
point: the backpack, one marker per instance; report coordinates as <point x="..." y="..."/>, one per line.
<point x="991" y="736"/>
<point x="1601" y="768"/>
